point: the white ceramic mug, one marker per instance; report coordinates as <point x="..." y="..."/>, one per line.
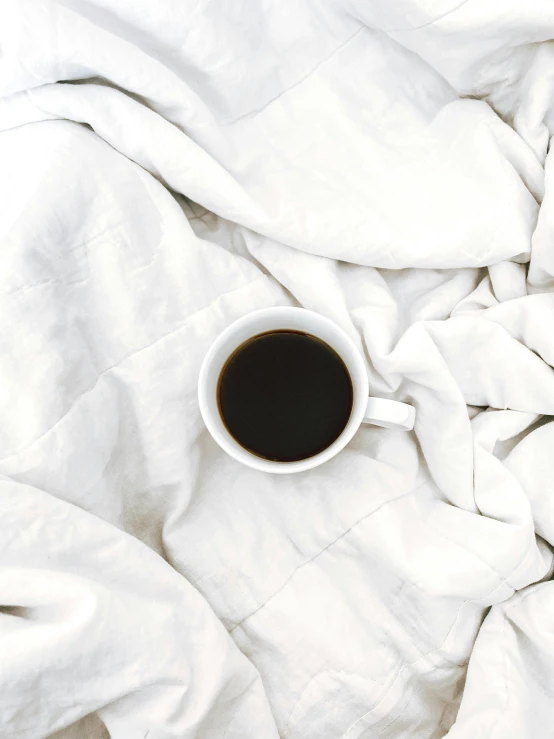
<point x="388" y="413"/>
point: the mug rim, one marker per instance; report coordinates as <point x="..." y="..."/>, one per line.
<point x="360" y="385"/>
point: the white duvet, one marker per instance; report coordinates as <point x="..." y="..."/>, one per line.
<point x="168" y="166"/>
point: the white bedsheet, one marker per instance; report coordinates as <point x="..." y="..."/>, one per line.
<point x="168" y="166"/>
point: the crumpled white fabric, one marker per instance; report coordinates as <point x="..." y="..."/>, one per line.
<point x="167" y="167"/>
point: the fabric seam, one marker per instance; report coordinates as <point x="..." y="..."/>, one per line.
<point x="253" y="113"/>
<point x="322" y="551"/>
<point x="427" y="23"/>
<point x="183" y="325"/>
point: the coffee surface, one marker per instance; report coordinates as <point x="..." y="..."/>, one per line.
<point x="285" y="395"/>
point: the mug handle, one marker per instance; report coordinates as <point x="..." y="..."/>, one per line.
<point x="390" y="414"/>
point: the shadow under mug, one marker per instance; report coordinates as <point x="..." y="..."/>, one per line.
<point x="365" y="409"/>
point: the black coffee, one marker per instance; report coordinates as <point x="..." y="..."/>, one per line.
<point x="285" y="395"/>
